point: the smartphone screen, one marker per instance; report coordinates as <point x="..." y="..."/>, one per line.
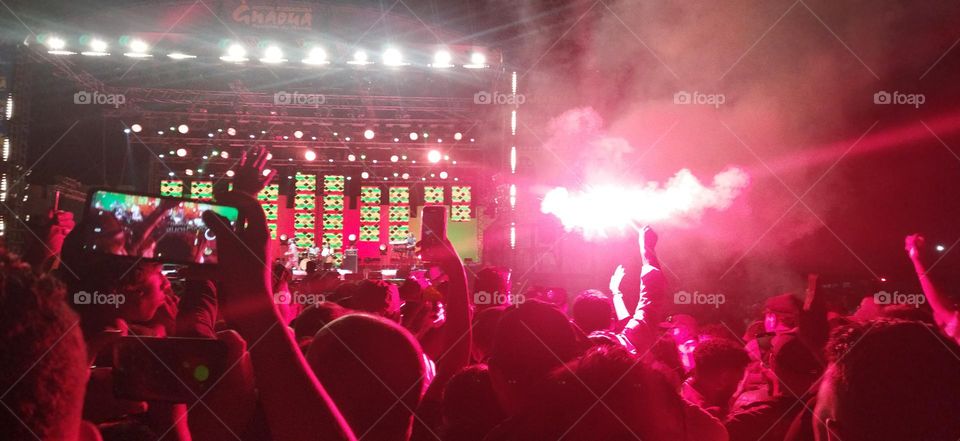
<point x="164" y="229"/>
<point x="433" y="229"/>
<point x="176" y="370"/>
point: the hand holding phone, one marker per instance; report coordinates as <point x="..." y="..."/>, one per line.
<point x="433" y="233"/>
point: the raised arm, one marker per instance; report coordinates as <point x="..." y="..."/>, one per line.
<point x="457" y="335"/>
<point x="618" y="304"/>
<point x="945" y="310"/>
<point x="288" y="388"/>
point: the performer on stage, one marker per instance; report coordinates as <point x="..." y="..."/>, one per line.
<point x="326" y="254"/>
<point x="290" y="256"/>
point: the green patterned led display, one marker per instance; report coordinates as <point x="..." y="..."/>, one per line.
<point x="173" y="188"/>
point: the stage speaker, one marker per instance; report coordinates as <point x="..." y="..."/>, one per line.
<point x="350" y="260"/>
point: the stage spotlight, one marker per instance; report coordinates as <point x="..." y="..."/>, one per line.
<point x="309" y="155"/>
<point x="405" y="176"/>
<point x="442" y="59"/>
<point x="181" y="152"/>
<point x="56" y="46"/>
<point x="426" y="135"/>
<point x="403" y="157"/>
<point x="127" y="131"/>
<point x="940" y="248"/>
<point x="224" y="155"/>
<point x="396" y="139"/>
<point x="443" y="175"/>
<point x="458" y="136"/>
<point x="138" y="49"/>
<point x="180" y="56"/>
<point x="368" y="134"/>
<point x="414" y="136"/>
<point x="392" y="57"/>
<point x="160" y="132"/>
<point x="434" y="156"/>
<point x="285" y="137"/>
<point x="316" y="56"/>
<point x="347" y="139"/>
<point x="236" y="53"/>
<point x="272" y="55"/>
<point x="232" y="131"/>
<point x="374" y="161"/>
<point x="394" y="158"/>
<point x="298" y="134"/>
<point x="365" y="175"/>
<point x="477" y="61"/>
<point x="351" y="157"/>
<point x="98" y="48"/>
<point x="136" y="128"/>
<point x="359" y="57"/>
<point x="230" y="173"/>
<point x="352" y="238"/>
<point x="383" y="249"/>
<point x="171" y="174"/>
<point x="363" y="156"/>
<point x="183" y="129"/>
<point x="189" y="172"/>
<point x="395" y="174"/>
<point x="266" y="172"/>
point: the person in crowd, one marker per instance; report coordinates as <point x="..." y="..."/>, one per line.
<point x="796" y="370"/>
<point x="485" y="324"/>
<point x="374" y="370"/>
<point x="683" y="328"/>
<point x="315" y="317"/>
<point x="719" y="365"/>
<point x="889" y="380"/>
<point x="470" y="407"/>
<point x="592" y="311"/>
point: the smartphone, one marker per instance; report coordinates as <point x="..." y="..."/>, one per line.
<point x="433" y="229"/>
<point x="170" y="369"/>
<point x="149" y="227"/>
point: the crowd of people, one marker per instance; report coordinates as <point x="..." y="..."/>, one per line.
<point x="423" y="360"/>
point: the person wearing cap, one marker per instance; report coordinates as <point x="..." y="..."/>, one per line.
<point x="781" y="313"/>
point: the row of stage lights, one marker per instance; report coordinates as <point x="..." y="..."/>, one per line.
<point x="368" y="134"/>
<point x="433" y="156"/>
<point x="363" y="175"/>
<point x="272" y="54"/>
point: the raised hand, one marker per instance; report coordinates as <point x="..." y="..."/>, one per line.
<point x="916" y="246"/>
<point x="616" y="278"/>
<point x="249" y="178"/>
<point x="648" y="238"/>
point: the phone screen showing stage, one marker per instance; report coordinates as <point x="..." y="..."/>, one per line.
<point x="163" y="229"/>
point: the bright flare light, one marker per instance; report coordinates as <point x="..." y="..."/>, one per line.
<point x="272" y="55"/>
<point x="414" y="136"/>
<point x="442" y="59"/>
<point x="298" y="134"/>
<point x="236" y="53"/>
<point x="434" y="156"/>
<point x="57" y="46"/>
<point x="602" y="209"/>
<point x="183" y="129"/>
<point x="359" y="57"/>
<point x="477" y="61"/>
<point x="309" y="155"/>
<point x="368" y="134"/>
<point x="180" y="56"/>
<point x="316" y="56"/>
<point x="181" y="152"/>
<point x="136" y="128"/>
<point x="365" y="175"/>
<point x="392" y="57"/>
<point x="138" y="49"/>
<point x="98" y="48"/>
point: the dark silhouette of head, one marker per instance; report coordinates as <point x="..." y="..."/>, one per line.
<point x="485" y="324"/>
<point x="592" y="311"/>
<point x="376" y="297"/>
<point x="43" y="360"/>
<point x="532" y="338"/>
<point x="890" y="380"/>
<point x="470" y="407"/>
<point x="796" y="367"/>
<point x="373" y="370"/>
<point x="315" y="317"/>
<point x="718" y="368"/>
